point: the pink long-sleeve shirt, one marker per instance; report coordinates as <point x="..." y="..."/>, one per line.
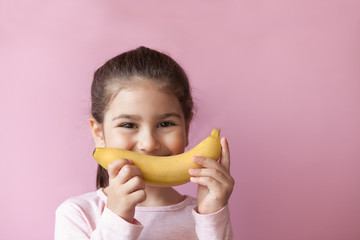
<point x="87" y="217"/>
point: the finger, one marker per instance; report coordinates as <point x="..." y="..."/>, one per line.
<point x="134" y="184"/>
<point x="208" y="182"/>
<point x="210" y="163"/>
<point x="127" y="172"/>
<point x="210" y="172"/>
<point x="138" y="196"/>
<point x="225" y="154"/>
<point x="114" y="167"/>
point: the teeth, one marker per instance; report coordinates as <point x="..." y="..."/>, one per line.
<point x="164" y="170"/>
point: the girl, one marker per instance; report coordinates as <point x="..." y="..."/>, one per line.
<point x="141" y="101"/>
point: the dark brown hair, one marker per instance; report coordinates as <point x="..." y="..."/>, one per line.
<point x="122" y="70"/>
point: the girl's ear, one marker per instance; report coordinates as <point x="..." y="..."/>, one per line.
<point x="97" y="132"/>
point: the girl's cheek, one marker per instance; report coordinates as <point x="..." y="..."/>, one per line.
<point x="176" y="142"/>
<point x="119" y="139"/>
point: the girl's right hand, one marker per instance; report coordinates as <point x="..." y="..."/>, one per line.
<point x="126" y="188"/>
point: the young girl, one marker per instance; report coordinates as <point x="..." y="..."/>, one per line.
<point x="141" y="101"/>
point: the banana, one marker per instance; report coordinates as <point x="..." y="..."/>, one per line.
<point x="164" y="170"/>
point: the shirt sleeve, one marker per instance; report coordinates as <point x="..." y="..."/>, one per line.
<point x="214" y="226"/>
<point x="72" y="223"/>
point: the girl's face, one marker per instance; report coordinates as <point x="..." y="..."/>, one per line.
<point x="143" y="119"/>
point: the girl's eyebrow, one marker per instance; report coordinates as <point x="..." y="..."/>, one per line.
<point x="127" y="116"/>
<point x="172" y="114"/>
<point x="137" y="117"/>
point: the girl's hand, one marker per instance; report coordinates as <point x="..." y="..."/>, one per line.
<point x="126" y="188"/>
<point x="215" y="181"/>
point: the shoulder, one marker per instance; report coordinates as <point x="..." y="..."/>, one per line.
<point x="82" y="204"/>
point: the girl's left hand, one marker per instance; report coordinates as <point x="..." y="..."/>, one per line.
<point x="215" y="181"/>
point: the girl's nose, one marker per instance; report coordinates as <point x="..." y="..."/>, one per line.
<point x="148" y="142"/>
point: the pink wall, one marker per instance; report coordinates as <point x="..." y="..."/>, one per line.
<point x="280" y="78"/>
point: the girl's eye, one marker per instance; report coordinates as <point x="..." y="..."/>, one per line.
<point x="127" y="125"/>
<point x="166" y="124"/>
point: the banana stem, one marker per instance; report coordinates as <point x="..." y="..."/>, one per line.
<point x="215" y="133"/>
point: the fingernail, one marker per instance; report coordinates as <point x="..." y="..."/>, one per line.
<point x="193" y="171"/>
<point x="197" y="158"/>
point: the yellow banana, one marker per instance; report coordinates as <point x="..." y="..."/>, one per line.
<point x="164" y="170"/>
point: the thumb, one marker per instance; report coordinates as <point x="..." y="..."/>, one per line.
<point x="114" y="167"/>
<point x="225" y="154"/>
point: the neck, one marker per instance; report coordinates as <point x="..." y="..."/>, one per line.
<point x="161" y="196"/>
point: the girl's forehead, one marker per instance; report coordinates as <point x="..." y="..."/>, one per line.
<point x="145" y="96"/>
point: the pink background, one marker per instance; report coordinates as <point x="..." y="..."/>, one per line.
<point x="280" y="78"/>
